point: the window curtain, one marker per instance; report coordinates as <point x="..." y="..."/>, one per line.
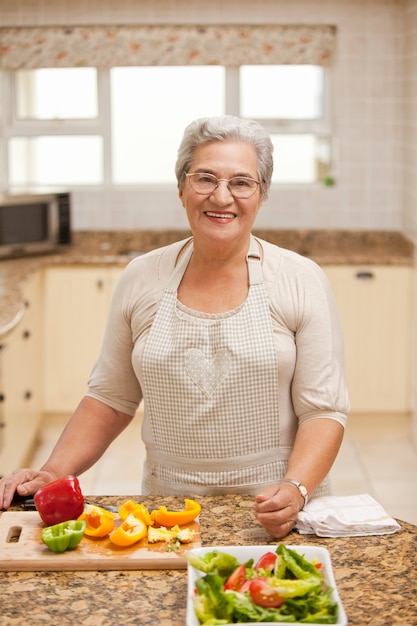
<point x="133" y="45"/>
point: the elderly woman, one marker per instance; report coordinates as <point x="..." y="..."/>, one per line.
<point x="233" y="343"/>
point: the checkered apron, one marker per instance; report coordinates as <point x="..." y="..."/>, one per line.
<point x="211" y="393"/>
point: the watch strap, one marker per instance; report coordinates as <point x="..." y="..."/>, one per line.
<point x="301" y="488"/>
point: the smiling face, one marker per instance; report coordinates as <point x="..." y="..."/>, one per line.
<point x="219" y="217"/>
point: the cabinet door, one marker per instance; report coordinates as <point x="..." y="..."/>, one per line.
<point x="77" y="300"/>
<point x="376" y="309"/>
<point x="21" y="382"/>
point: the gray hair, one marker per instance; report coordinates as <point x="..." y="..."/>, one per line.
<point x="226" y="128"/>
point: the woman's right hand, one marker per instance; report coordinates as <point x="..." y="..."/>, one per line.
<point x="24" y="482"/>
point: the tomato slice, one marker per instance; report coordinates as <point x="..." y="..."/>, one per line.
<point x="236" y="579"/>
<point x="263" y="594"/>
<point x="246" y="585"/>
<point x="266" y="562"/>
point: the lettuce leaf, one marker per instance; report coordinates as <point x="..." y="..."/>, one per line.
<point x="214" y="562"/>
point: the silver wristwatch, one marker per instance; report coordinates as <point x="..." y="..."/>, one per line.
<point x="300" y="488"/>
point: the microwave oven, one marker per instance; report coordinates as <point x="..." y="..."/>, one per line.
<point x="34" y="224"/>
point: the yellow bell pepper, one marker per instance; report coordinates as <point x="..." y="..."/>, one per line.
<point x="163" y="517"/>
<point x="126" y="509"/>
<point x="141" y="512"/>
<point x="99" y="522"/>
<point x="138" y="510"/>
<point x="129" y="532"/>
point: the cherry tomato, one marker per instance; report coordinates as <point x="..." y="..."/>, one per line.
<point x="266" y="562"/>
<point x="236" y="579"/>
<point x="263" y="594"/>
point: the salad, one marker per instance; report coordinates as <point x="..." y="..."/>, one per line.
<point x="281" y="586"/>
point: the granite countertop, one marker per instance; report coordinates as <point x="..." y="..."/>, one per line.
<point x="117" y="248"/>
<point x="375" y="576"/>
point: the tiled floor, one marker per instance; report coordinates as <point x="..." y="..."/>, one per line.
<point x="377" y="457"/>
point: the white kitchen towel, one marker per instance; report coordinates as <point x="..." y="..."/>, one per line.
<point x="345" y="516"/>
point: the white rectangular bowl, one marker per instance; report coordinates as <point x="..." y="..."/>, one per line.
<point x="243" y="554"/>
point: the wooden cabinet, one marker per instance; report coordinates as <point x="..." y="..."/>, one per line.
<point x="21" y="381"/>
<point x="376" y="309"/>
<point x="76" y="304"/>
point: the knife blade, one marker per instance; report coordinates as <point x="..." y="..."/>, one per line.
<point x="28" y="504"/>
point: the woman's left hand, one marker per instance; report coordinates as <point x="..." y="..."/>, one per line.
<point x="277" y="507"/>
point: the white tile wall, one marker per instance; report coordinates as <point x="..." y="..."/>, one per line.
<point x="410" y="116"/>
<point x="375" y="125"/>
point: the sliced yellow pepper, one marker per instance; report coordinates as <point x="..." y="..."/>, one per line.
<point x="171" y="518"/>
<point x="126" y="509"/>
<point x="129" y="532"/>
<point x="99" y="522"/>
<point x="138" y="510"/>
<point x="141" y="512"/>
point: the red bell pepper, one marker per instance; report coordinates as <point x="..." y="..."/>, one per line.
<point x="59" y="501"/>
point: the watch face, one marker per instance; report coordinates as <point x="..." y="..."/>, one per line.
<point x="300" y="487"/>
<point x="303" y="492"/>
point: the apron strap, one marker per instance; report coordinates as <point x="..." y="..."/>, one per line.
<point x="180" y="268"/>
<point x="253" y="259"/>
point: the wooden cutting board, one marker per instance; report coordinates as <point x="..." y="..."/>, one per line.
<point x="21" y="549"/>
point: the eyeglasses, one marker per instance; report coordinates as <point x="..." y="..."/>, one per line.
<point x="239" y="186"/>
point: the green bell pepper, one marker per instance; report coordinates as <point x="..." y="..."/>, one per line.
<point x="64" y="536"/>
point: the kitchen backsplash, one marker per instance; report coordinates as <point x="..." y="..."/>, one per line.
<point x="373" y="110"/>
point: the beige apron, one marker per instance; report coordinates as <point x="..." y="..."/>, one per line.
<point x="211" y="392"/>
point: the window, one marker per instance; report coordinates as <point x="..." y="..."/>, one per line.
<point x="290" y="101"/>
<point x="55" y="161"/>
<point x="78" y="127"/>
<point x="281" y="91"/>
<point x="150" y="107"/>
<point x="56" y="94"/>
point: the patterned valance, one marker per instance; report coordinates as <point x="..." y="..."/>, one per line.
<point x="127" y="45"/>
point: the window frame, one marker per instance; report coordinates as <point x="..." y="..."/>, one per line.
<point x="12" y="127"/>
